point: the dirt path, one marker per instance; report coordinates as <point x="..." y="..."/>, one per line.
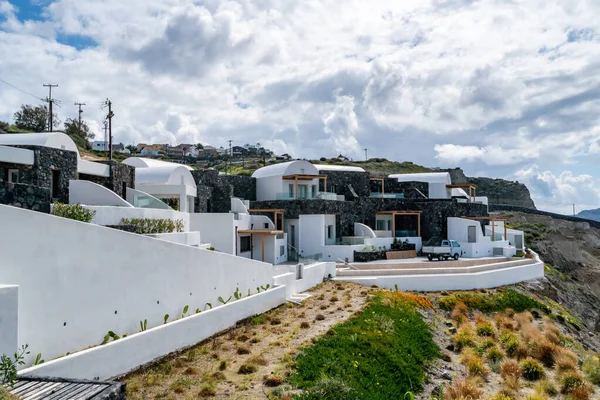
<point x="263" y="347"/>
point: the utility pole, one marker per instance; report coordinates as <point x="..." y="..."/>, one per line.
<point x="573" y="209"/>
<point x="50" y="101"/>
<point x="366" y="158"/>
<point x="105" y="122"/>
<point x="109" y="116"/>
<point x="80" y="111"/>
<point x="230" y="156"/>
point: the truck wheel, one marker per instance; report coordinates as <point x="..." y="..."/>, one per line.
<point x="456" y="256"/>
<point x="429" y="257"/>
<point x="440" y="258"/>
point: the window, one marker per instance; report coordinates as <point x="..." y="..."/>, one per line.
<point x="291" y="191"/>
<point x="245" y="244"/>
<point x="381" y="225"/>
<point x="124" y="189"/>
<point x="266" y="225"/>
<point x="314" y="191"/>
<point x="281" y="251"/>
<point x="472" y="234"/>
<point x="13" y="176"/>
<point x="329" y="231"/>
<point x="55" y="183"/>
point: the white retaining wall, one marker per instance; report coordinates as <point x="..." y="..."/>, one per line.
<point x="77" y="281"/>
<point x="124" y="355"/>
<point x="312" y="275"/>
<point x="9" y="319"/>
<point x="186" y="238"/>
<point x="108" y="215"/>
<point x="455" y="281"/>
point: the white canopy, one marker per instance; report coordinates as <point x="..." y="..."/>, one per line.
<point x="56" y="140"/>
<point x="141" y="162"/>
<point x="286" y="168"/>
<point x="429" y="177"/>
<point x="345" y="168"/>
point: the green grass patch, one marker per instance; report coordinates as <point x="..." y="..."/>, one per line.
<point x="548" y="270"/>
<point x="493" y="301"/>
<point x="377" y="355"/>
<point x="533" y="232"/>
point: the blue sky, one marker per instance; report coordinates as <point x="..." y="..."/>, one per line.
<point x="501" y="89"/>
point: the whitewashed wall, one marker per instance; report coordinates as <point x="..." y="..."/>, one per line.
<point x="107" y="215"/>
<point x="312" y="275"/>
<point x="77" y="281"/>
<point x="311" y="232"/>
<point x="9" y="318"/>
<point x="268" y="187"/>
<point x="186" y="238"/>
<point x="216" y="229"/>
<point x="92" y="194"/>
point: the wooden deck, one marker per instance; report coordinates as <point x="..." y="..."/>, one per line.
<point x="30" y="388"/>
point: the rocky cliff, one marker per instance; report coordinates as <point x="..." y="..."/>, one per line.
<point x="498" y="191"/>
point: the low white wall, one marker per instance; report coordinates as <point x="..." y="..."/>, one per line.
<point x="106" y="215"/>
<point x="186" y="238"/>
<point x="92" y="194"/>
<point x="458" y="281"/>
<point x="124" y="355"/>
<point x="16" y="155"/>
<point x="93" y="168"/>
<point x="216" y="229"/>
<point x="312" y="275"/>
<point x="9" y="318"/>
<point x="77" y="281"/>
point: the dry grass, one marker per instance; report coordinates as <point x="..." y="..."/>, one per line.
<point x="475" y="366"/>
<point x="462" y="389"/>
<point x="511" y="373"/>
<point x="274" y="381"/>
<point x="460" y="314"/>
<point x="565" y="360"/>
<point x="465" y="337"/>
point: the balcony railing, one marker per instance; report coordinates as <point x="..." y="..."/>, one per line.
<point x="309" y="196"/>
<point x="310" y="259"/>
<point x="377" y="195"/>
<point x="349" y="241"/>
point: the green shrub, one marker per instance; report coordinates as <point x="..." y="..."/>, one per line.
<point x="465" y="337"/>
<point x="591" y="367"/>
<point x="330" y="389"/>
<point x="531" y="369"/>
<point x="73" y="211"/>
<point x="361" y="354"/>
<point x="493" y="302"/>
<point x="144" y="226"/>
<point x="494" y="354"/>
<point x="570" y="380"/>
<point x="485" y="328"/>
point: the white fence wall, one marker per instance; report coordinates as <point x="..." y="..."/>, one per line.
<point x="121" y="356"/>
<point x="107" y="215"/>
<point x="9" y="318"/>
<point x="77" y="281"/>
<point x="312" y="275"/>
<point x="92" y="194"/>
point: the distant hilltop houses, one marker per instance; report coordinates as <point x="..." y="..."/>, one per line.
<point x="187" y="152"/>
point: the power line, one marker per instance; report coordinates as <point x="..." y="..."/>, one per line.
<point x="21" y="90"/>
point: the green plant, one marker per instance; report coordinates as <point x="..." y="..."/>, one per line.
<point x="485" y="328"/>
<point x="532" y="370"/>
<point x="224" y="301"/>
<point x="110" y="335"/>
<point x="165" y="318"/>
<point x="591" y="367"/>
<point x="465" y="337"/>
<point x="198" y="311"/>
<point x="265" y="288"/>
<point x="331" y="389"/>
<point x="462" y="389"/>
<point x="73" y="211"/>
<point x="246" y="369"/>
<point x="185" y="311"/>
<point x="494" y="354"/>
<point x="273" y="380"/>
<point x="8" y="366"/>
<point x="237" y="294"/>
<point x="223" y="365"/>
<point x="493" y="302"/>
<point x="357" y="349"/>
<point x="570" y="380"/>
<point x="143" y="325"/>
<point x="38" y="359"/>
<point x="209" y="305"/>
<point x="145" y="226"/>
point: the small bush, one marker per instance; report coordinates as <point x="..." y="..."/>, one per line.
<point x="246" y="369"/>
<point x="275" y="321"/>
<point x="304" y="325"/>
<point x="476" y="366"/>
<point x="485" y="328"/>
<point x="258" y="360"/>
<point x="545" y="352"/>
<point x="460" y="313"/>
<point x="273" y="381"/>
<point x="334" y="299"/>
<point x="73" y="211"/>
<point x="146" y="226"/>
<point x="565" y="360"/>
<point x="207" y="390"/>
<point x="591" y="367"/>
<point x="465" y="337"/>
<point x="546" y="387"/>
<point x="500" y="396"/>
<point x="570" y="380"/>
<point x="494" y="354"/>
<point x="583" y="392"/>
<point x="487" y="343"/>
<point x="329" y="388"/>
<point x="223" y="365"/>
<point x="320" y="317"/>
<point x="463" y="389"/>
<point x="243" y="338"/>
<point x="510" y="368"/>
<point x="243" y="350"/>
<point x="531" y="369"/>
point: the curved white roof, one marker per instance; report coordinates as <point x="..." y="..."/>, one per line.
<point x="346" y="168"/>
<point x="168" y="175"/>
<point x="286" y="168"/>
<point x="429" y="177"/>
<point x="141" y="162"/>
<point x="56" y="140"/>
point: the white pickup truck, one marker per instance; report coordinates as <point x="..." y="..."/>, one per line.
<point x="447" y="249"/>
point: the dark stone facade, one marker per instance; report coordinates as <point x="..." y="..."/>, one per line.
<point x="367" y="256"/>
<point x="434" y="217"/>
<point x="409" y="189"/>
<point x="345" y="182"/>
<point x="122" y="176"/>
<point x="25" y="196"/>
<point x="244" y="187"/>
<point x="49" y="164"/>
<point x="214" y="191"/>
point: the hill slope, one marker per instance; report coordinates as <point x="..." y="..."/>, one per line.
<point x="590" y="214"/>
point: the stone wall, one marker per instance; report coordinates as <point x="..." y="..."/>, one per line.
<point x="341" y="182"/>
<point x="244" y="187"/>
<point x="434" y="217"/>
<point x="409" y="189"/>
<point x="25" y="196"/>
<point x="47" y="160"/>
<point x="122" y="176"/>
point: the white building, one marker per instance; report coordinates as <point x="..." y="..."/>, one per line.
<point x="289" y="181"/>
<point x="475" y="243"/>
<point x="242" y="234"/>
<point x="99" y="145"/>
<point x="437" y="182"/>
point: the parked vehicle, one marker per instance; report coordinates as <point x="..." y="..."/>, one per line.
<point x="443" y="250"/>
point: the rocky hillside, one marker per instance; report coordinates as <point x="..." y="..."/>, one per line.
<point x="498" y="191"/>
<point x="590" y="214"/>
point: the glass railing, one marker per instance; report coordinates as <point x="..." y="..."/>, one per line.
<point x="349" y="241"/>
<point x="309" y="196"/>
<point x="406" y="233"/>
<point x="387" y="195"/>
<point x="310" y="259"/>
<point x="146" y="201"/>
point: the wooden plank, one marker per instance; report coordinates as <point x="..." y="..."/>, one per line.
<point x="58" y="394"/>
<point x="23" y="388"/>
<point x="89" y="392"/>
<point x="71" y="394"/>
<point x="44" y="392"/>
<point x="17" y="384"/>
<point x="33" y="390"/>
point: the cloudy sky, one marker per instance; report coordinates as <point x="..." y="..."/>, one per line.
<point x="506" y="89"/>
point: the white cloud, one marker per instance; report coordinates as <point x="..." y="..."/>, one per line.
<point x="559" y="192"/>
<point x="341" y="126"/>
